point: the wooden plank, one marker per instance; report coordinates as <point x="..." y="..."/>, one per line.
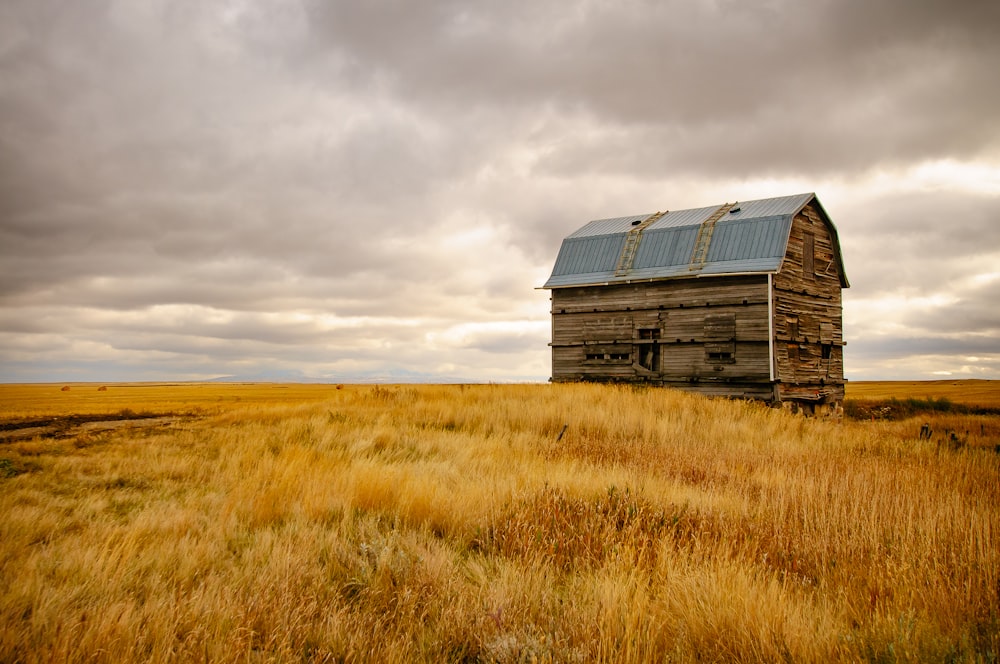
<point x="669" y="294"/>
<point x="808" y="318"/>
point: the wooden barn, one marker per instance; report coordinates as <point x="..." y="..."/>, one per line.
<point x="738" y="300"/>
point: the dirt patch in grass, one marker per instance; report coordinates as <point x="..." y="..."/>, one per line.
<point x="72" y="425"/>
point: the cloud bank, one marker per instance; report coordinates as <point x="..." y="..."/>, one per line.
<point x="313" y="189"/>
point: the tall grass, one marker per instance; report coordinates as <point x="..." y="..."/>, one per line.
<point x="898" y="409"/>
<point x="500" y="523"/>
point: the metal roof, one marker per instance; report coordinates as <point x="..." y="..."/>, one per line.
<point x="750" y="238"/>
<point x="608" y="226"/>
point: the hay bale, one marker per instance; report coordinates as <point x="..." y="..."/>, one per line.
<point x="102" y="388"/>
<point x="65" y="388"/>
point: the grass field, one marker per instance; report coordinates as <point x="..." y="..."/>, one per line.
<point x="984" y="393"/>
<point x="500" y="523"/>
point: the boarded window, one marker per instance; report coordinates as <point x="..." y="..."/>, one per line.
<point x="792" y="323"/>
<point x="720" y="338"/>
<point x="793" y="353"/>
<point x="607" y="340"/>
<point x="808" y="254"/>
<point x="609" y="354"/>
<point x="826" y="333"/>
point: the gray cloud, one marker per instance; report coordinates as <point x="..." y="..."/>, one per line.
<point x="721" y="88"/>
<point x="974" y="313"/>
<point x="193" y="188"/>
<point x="920" y="243"/>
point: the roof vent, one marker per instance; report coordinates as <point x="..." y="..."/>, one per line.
<point x="636" y="222"/>
<point x="735" y="208"/>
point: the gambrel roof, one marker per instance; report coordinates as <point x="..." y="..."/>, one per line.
<point x="748" y="237"/>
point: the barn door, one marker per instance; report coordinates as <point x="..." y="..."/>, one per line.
<point x="648" y="348"/>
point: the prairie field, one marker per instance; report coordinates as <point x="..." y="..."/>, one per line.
<point x="494" y="523"/>
<point x="982" y="393"/>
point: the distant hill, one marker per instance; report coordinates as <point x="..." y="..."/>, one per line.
<point x="372" y="377"/>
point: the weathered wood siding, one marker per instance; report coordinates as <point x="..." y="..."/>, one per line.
<point x="808" y="319"/>
<point x="770" y="336"/>
<point x="709" y="334"/>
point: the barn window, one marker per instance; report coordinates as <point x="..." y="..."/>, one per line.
<point x="720" y="338"/>
<point x="809" y="254"/>
<point x="827" y="351"/>
<point x="649" y="357"/>
<point x="648" y="349"/>
<point x="600" y="355"/>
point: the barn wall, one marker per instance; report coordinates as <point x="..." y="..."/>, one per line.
<point x="708" y="334"/>
<point x="808" y="319"/>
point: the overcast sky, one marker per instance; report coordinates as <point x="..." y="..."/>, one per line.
<point x="285" y="188"/>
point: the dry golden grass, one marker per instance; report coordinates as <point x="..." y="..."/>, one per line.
<point x="985" y="393"/>
<point x="445" y="523"/>
<point x="50" y="400"/>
